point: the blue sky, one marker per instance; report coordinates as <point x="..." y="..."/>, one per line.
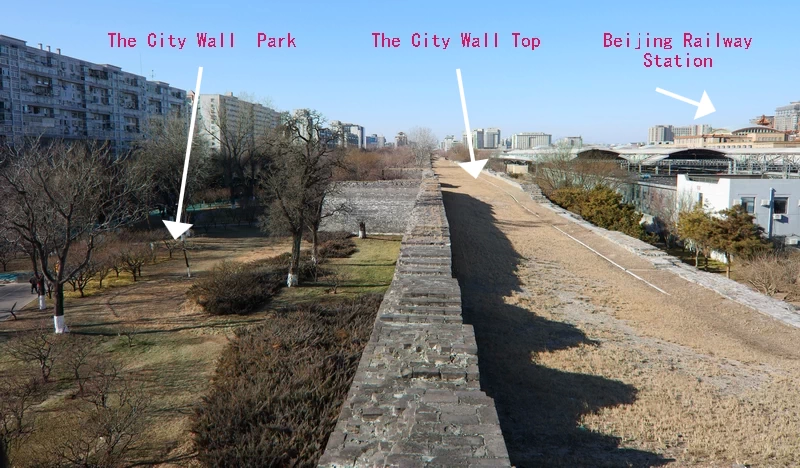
<point x="570" y="85"/>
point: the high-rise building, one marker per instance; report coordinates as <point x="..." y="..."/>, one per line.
<point x="50" y="95"/>
<point x="528" y="140"/>
<point x="491" y="138"/>
<point x="371" y="141"/>
<point x="477" y="138"/>
<point x="572" y="141"/>
<point x="449" y="142"/>
<point x="226" y="116"/>
<point x="381" y="141"/>
<point x="691" y="130"/>
<point x="352" y="134"/>
<point x="401" y="139"/>
<point x="659" y="134"/>
<point x="786" y="117"/>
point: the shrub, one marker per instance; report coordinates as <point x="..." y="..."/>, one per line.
<point x="237" y="288"/>
<point x="323" y="236"/>
<point x="601" y="206"/>
<point x="337" y="248"/>
<point x="279" y="386"/>
<point x="773" y="273"/>
<point x="570" y="198"/>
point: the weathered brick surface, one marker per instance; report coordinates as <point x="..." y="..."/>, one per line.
<point x="416" y="399"/>
<point x="384" y="206"/>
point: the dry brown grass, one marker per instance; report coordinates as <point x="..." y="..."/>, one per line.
<point x="160" y="340"/>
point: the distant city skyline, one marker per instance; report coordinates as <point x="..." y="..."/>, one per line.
<point x="569" y="85"/>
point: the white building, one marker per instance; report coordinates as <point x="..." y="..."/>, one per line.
<point x="775" y="203"/>
<point x="659" y="134"/>
<point x="787" y="117"/>
<point x="226" y="116"/>
<point x="449" y="142"/>
<point x="491" y="138"/>
<point x="46" y="94"/>
<point x="528" y="140"/>
<point x="572" y="141"/>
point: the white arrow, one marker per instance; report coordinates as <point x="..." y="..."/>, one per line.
<point x="176" y="228"/>
<point x="473" y="167"/>
<point x="704" y="107"/>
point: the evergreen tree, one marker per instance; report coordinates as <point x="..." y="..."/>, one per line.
<point x="695" y="226"/>
<point x="736" y="235"/>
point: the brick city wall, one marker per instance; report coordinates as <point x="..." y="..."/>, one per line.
<point x="416" y="400"/>
<point x="384" y="206"/>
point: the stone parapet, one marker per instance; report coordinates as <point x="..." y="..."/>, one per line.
<point x="415" y="400"/>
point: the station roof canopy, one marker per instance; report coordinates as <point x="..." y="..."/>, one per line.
<point x="655" y="153"/>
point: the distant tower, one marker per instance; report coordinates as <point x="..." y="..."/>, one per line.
<point x="764" y="121"/>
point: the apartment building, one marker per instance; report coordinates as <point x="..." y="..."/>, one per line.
<point x="226" y="116"/>
<point x="50" y="95"/>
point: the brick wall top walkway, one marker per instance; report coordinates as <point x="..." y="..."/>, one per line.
<point x="416" y="399"/>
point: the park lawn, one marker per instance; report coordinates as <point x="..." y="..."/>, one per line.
<point x="369" y="270"/>
<point x="169" y="346"/>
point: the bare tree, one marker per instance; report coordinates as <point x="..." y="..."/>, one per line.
<point x="9" y="247"/>
<point x="37" y="347"/>
<point x="112" y="426"/>
<point x="423" y="143"/>
<point x="319" y="210"/>
<point x="160" y="158"/>
<point x="234" y="130"/>
<point x="55" y="195"/>
<point x="84" y="275"/>
<point x="303" y="158"/>
<point x="18" y="393"/>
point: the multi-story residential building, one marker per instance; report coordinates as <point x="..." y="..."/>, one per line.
<point x="401" y="139"/>
<point x="50" y="95"/>
<point x="659" y="134"/>
<point x="528" y="140"/>
<point x="371" y="141"/>
<point x="491" y="138"/>
<point x="382" y="141"/>
<point x="786" y="117"/>
<point x="226" y="116"/>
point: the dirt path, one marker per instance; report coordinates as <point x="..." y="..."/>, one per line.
<point x="591" y="366"/>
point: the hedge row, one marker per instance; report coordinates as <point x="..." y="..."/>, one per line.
<point x="279" y="386"/>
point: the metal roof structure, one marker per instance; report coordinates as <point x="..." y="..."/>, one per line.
<point x="648" y="155"/>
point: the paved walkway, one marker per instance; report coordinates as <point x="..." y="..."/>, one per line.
<point x="10" y="293"/>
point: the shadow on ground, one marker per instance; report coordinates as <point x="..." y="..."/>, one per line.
<point x="539" y="408"/>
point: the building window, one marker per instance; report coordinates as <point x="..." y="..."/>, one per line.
<point x="780" y="205"/>
<point x="749" y="204"/>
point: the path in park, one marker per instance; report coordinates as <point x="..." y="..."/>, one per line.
<point x="590" y="366"/>
<point x="10" y="293"/>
